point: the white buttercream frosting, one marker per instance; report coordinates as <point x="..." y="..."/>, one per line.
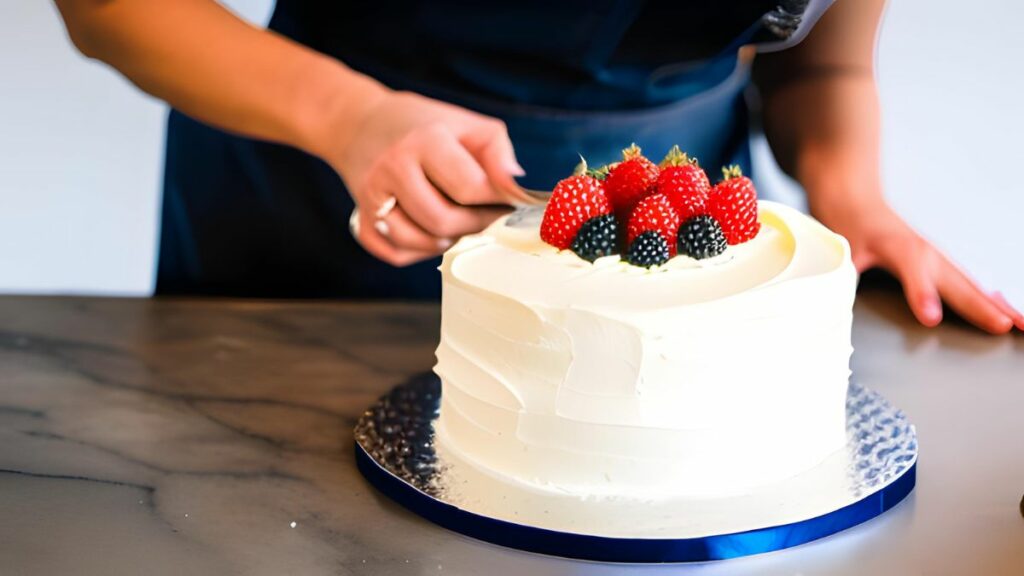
<point x="606" y="379"/>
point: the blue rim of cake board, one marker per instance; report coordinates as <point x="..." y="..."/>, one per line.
<point x="395" y="451"/>
<point x="632" y="550"/>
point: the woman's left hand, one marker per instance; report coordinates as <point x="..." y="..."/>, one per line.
<point x="883" y="239"/>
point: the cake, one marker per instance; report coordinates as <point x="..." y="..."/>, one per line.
<point x="603" y="374"/>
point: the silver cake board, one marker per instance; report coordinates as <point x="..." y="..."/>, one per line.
<point x="395" y="452"/>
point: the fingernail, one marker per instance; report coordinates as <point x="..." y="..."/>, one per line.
<point x="381" y="227"/>
<point x="1015" y="315"/>
<point x="515" y="169"/>
<point x="444" y="243"/>
<point x="933" y="311"/>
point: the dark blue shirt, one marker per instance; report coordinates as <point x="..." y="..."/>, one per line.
<point x="243" y="217"/>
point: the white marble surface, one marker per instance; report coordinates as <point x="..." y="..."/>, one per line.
<point x="177" y="437"/>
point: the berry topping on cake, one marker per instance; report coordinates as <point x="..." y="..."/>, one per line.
<point x="701" y="237"/>
<point x="598" y="237"/>
<point x="648" y="249"/>
<point x="733" y="203"/>
<point x="650" y="212"/>
<point x="684" y="183"/>
<point x="630" y="180"/>
<point x="574" y="201"/>
<point x="654" y="213"/>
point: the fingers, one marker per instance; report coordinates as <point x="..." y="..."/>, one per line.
<point x="927" y="275"/>
<point x="1008" y="309"/>
<point x="370" y="237"/>
<point x="920" y="290"/>
<point x="405" y="234"/>
<point x="435" y="184"/>
<point x="434" y="212"/>
<point x="964" y="296"/>
<point x="456" y="173"/>
<point x="493" y="149"/>
<point x="479" y="169"/>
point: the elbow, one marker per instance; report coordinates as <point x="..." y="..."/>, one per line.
<point x="84" y="42"/>
<point x="82" y="30"/>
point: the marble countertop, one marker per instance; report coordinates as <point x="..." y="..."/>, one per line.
<point x="214" y="437"/>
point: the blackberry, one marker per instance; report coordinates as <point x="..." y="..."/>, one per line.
<point x="648" y="249"/>
<point x="598" y="237"/>
<point x="701" y="237"/>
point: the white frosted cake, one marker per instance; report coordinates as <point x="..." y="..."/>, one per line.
<point x="606" y="379"/>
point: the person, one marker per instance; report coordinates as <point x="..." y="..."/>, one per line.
<point x="403" y="115"/>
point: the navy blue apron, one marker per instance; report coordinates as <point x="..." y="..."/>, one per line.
<point x="249" y="218"/>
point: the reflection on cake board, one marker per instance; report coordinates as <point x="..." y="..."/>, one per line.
<point x="396" y="453"/>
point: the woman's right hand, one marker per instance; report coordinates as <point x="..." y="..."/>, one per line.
<point x="449" y="170"/>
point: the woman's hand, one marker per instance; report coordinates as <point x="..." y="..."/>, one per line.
<point x="822" y="119"/>
<point x="880" y="238"/>
<point x="423" y="173"/>
<point x="448" y="169"/>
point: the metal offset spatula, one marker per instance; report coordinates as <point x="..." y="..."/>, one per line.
<point x="538" y="195"/>
<point x="542" y="196"/>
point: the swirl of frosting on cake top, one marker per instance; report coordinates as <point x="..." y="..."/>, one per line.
<point x="509" y="258"/>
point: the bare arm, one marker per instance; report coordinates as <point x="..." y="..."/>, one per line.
<point x="211" y="65"/>
<point x="822" y="119"/>
<point x="446" y="166"/>
<point x="821" y="109"/>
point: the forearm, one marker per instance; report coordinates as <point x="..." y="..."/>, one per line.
<point x="208" y="63"/>
<point x="821" y="112"/>
<point x="825" y="130"/>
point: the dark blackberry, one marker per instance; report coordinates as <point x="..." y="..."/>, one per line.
<point x="598" y="237"/>
<point x="701" y="237"/>
<point x="648" y="249"/>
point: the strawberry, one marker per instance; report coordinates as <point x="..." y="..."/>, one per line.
<point x="573" y="203"/>
<point x="630" y="180"/>
<point x="733" y="202"/>
<point x="654" y="213"/>
<point x="684" y="183"/>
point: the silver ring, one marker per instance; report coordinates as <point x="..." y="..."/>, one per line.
<point x="353" y="223"/>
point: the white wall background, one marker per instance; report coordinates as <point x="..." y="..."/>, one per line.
<point x="81" y="157"/>
<point x="81" y="149"/>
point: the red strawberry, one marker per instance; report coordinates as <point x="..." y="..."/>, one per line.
<point x="630" y="180"/>
<point x="684" y="183"/>
<point x="573" y="202"/>
<point x="733" y="202"/>
<point x="654" y="213"/>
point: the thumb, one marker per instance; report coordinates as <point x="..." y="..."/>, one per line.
<point x="497" y="157"/>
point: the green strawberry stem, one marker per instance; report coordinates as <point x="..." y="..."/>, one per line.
<point x="599" y="173"/>
<point x="581" y="168"/>
<point x="602" y="172"/>
<point x="677" y="157"/>
<point x="732" y="171"/>
<point x="632" y="152"/>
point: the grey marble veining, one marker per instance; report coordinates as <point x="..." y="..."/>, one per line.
<point x="185" y="437"/>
